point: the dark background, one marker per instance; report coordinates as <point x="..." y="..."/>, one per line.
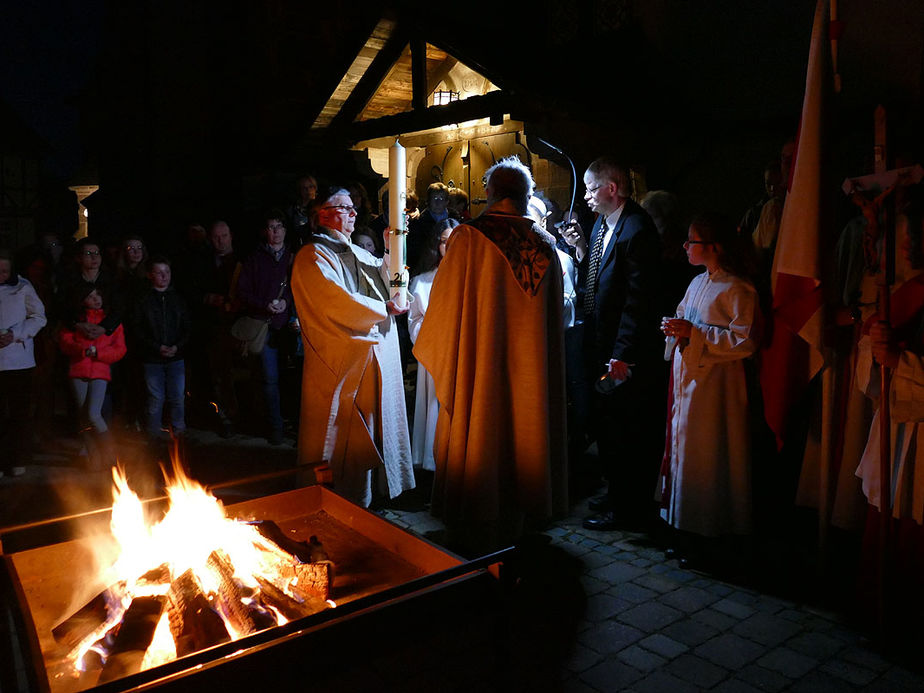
<point x="183" y="111"/>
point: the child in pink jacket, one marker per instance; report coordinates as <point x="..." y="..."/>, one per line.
<point x="90" y="374"/>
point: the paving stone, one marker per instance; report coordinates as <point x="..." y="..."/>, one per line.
<point x="611" y="675"/>
<point x="663" y="645"/>
<point x="556" y="532"/>
<point x="688" y="598"/>
<point x="626" y="545"/>
<point x="732" y="608"/>
<point x="576" y="550"/>
<point x="788" y="662"/>
<point x="793" y="615"/>
<point x="660" y="682"/>
<point x="865" y="658"/>
<point x="592" y="585"/>
<point x="771" y="604"/>
<point x="590" y="543"/>
<point x="595" y="559"/>
<point x="632" y="592"/>
<point x="730" y="651"/>
<point x="610" y="637"/>
<point x="763" y="679"/>
<point x="582" y="658"/>
<point x="720" y="588"/>
<point x="689" y="632"/>
<point x="681" y="575"/>
<point x="820" y="682"/>
<point x="643" y="660"/>
<point x="603" y="606"/>
<point x="651" y="616"/>
<point x="767" y="629"/>
<point x="696" y="670"/>
<point x="658" y="583"/>
<point x="818" y="645"/>
<point x="652" y="554"/>
<point x="608" y="550"/>
<point x="640" y="563"/>
<point x="574" y="685"/>
<point x="617" y="571"/>
<point x="743" y="597"/>
<point x="848" y="671"/>
<point x="900" y="675"/>
<point x="714" y="618"/>
<point x="660" y="569"/>
<point x="735" y="686"/>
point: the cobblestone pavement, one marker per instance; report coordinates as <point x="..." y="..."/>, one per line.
<point x="650" y="626"/>
<point x="640" y="622"/>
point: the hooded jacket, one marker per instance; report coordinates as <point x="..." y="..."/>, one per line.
<point x="109" y="349"/>
<point x="21" y="312"/>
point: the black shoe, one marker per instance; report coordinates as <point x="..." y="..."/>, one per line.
<point x="604" y="522"/>
<point x="600" y="503"/>
<point x="276" y="438"/>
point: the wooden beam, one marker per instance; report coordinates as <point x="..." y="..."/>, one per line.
<point x="495" y="102"/>
<point x="419" y="74"/>
<point x="440" y="73"/>
<point x="375" y="74"/>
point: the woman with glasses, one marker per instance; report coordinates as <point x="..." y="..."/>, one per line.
<point x="353" y="414"/>
<point x="88" y="270"/>
<point x="705" y="481"/>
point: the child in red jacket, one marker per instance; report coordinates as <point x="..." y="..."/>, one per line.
<point x="89" y="373"/>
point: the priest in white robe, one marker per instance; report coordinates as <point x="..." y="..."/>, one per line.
<point x="493" y="342"/>
<point x="353" y="414"/>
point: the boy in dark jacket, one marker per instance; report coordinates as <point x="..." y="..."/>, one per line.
<point x="162" y="329"/>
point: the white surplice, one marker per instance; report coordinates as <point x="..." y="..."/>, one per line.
<point x="907" y="419"/>
<point x="353" y="413"/>
<point x="707" y="489"/>
<point x="426" y="405"/>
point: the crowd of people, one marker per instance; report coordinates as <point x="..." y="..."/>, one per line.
<point x="532" y="340"/>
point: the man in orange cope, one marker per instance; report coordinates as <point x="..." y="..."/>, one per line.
<point x="493" y="341"/>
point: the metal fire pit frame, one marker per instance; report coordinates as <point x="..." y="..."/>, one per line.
<point x="296" y="638"/>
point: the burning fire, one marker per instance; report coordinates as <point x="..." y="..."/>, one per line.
<point x="195" y="578"/>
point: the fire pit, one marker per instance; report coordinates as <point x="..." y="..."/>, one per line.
<point x="333" y="562"/>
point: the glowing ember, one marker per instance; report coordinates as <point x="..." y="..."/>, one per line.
<point x="194" y="579"/>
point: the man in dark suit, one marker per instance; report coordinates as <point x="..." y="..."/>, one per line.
<point x="623" y="347"/>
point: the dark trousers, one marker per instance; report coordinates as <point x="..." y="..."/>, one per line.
<point x="629" y="423"/>
<point x="15" y="418"/>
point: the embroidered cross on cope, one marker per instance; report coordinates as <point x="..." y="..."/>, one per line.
<point x="596" y="254"/>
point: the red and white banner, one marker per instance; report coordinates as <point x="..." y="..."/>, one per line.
<point x="795" y="352"/>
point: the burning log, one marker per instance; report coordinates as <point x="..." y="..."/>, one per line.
<point x="310" y="551"/>
<point x="314" y="579"/>
<point x="289" y="607"/>
<point x="193" y="623"/>
<point x="313" y="570"/>
<point x="134" y="636"/>
<point x="82" y="622"/>
<point x="235" y="604"/>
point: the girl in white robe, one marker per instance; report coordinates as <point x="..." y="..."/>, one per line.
<point x="705" y="481"/>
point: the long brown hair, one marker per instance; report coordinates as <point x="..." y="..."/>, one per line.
<point x="736" y="253"/>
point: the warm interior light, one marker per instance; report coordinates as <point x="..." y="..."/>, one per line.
<point x="441" y="97"/>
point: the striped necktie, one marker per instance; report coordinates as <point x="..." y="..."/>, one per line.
<point x="596" y="254"/>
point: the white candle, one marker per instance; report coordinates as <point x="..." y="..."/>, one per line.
<point x="397" y="221"/>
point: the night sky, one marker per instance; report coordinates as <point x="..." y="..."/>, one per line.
<point x="49" y="50"/>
